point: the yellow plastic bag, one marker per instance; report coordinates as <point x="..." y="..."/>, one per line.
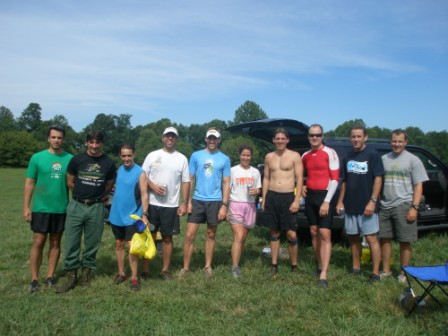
<point x="142" y="245"/>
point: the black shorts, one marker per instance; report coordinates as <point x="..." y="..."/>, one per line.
<point x="124" y="232"/>
<point x="164" y="219"/>
<point x="204" y="212"/>
<point x="44" y="222"/>
<point x="313" y="201"/>
<point x="276" y="211"/>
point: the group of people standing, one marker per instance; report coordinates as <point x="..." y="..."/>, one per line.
<point x="379" y="195"/>
<point x="210" y="191"/>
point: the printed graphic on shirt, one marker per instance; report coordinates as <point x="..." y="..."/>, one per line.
<point x="92" y="175"/>
<point x="357" y="167"/>
<point x="245" y="181"/>
<point x="208" y="166"/>
<point x="56" y="170"/>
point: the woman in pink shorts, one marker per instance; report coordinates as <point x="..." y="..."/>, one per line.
<point x="245" y="186"/>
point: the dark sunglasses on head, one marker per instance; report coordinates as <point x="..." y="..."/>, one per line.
<point x="318" y="135"/>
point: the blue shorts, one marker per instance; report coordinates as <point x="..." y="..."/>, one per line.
<point x="361" y="224"/>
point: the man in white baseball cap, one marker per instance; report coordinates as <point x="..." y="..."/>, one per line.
<point x="213" y="132"/>
<point x="170" y="130"/>
<point x="168" y="182"/>
<point x="209" y="168"/>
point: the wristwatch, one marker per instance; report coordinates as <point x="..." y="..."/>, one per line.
<point x="374" y="200"/>
<point x="226" y="204"/>
<point x="415" y="206"/>
<point x="146" y="214"/>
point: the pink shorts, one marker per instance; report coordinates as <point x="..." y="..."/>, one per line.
<point x="242" y="213"/>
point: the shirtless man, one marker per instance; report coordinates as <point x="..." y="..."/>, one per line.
<point x="282" y="187"/>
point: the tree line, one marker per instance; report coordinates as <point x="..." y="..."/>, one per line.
<point x="22" y="136"/>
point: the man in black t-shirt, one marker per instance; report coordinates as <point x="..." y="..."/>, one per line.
<point x="90" y="176"/>
<point x="362" y="175"/>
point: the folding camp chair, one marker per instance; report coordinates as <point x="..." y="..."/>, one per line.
<point x="428" y="277"/>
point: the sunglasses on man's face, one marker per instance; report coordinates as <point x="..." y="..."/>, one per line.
<point x="317" y="135"/>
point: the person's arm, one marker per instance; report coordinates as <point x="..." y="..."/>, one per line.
<point x="413" y="212"/>
<point x="182" y="210"/>
<point x="70" y="181"/>
<point x="108" y="188"/>
<point x="143" y="185"/>
<point x="298" y="175"/>
<point x="27" y="195"/>
<point x="190" y="193"/>
<point x="371" y="205"/>
<point x="158" y="189"/>
<point x="266" y="178"/>
<point x="340" y="204"/>
<point x="222" y="214"/>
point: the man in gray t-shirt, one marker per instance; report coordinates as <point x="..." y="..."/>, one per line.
<point x="402" y="190"/>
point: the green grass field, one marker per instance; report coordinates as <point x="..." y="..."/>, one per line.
<point x="290" y="304"/>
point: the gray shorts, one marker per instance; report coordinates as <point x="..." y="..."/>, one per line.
<point x="393" y="224"/>
<point x="204" y="212"/>
<point x="361" y="224"/>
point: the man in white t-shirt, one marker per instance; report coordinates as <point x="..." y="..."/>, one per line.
<point x="168" y="182"/>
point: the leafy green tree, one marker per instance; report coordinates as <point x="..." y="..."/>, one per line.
<point x="415" y="136"/>
<point x="343" y="130"/>
<point x="16" y="148"/>
<point x="435" y="142"/>
<point x="231" y="148"/>
<point x="150" y="139"/>
<point x="31" y="118"/>
<point x="249" y="111"/>
<point x="7" y="120"/>
<point x="117" y="131"/>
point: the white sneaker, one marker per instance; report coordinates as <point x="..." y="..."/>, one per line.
<point x="384" y="275"/>
<point x="401" y="278"/>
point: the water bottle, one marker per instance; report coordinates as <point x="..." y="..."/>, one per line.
<point x="165" y="190"/>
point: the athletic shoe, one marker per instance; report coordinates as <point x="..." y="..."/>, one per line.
<point x="86" y="278"/>
<point x="134" y="285"/>
<point x="322" y="283"/>
<point x="182" y="273"/>
<point x="317" y="272"/>
<point x="51" y="282"/>
<point x="294" y="269"/>
<point x="70" y="283"/>
<point x="208" y="271"/>
<point x="166" y="275"/>
<point x="373" y="278"/>
<point x="401" y="278"/>
<point x="34" y="286"/>
<point x="384" y="275"/>
<point x="236" y="272"/>
<point x="144" y="276"/>
<point x="119" y="278"/>
<point x="274" y="270"/>
<point x="356" y="272"/>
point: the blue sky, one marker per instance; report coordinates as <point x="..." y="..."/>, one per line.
<point x="385" y="62"/>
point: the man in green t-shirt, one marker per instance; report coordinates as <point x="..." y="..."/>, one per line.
<point x="46" y="185"/>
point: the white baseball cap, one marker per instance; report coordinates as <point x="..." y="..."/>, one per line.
<point x="170" y="130"/>
<point x="213" y="132"/>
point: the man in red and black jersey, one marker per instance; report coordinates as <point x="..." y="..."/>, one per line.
<point x="322" y="166"/>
